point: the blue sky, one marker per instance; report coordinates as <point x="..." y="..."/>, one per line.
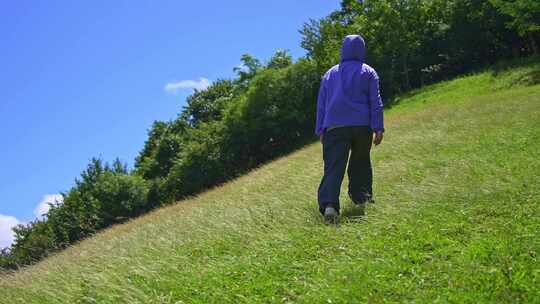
<point x="83" y="79"/>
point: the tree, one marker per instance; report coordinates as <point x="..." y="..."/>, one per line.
<point x="207" y="105"/>
<point x="6" y="259"/>
<point x="281" y="59"/>
<point x="103" y="195"/>
<point x="154" y="136"/>
<point x="526" y="17"/>
<point x="412" y="42"/>
<point x="32" y="242"/>
<point x="166" y="141"/>
<point x="322" y="40"/>
<point x="247" y="70"/>
<point x="396" y="30"/>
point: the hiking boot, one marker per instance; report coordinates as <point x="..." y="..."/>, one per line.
<point x="330" y="214"/>
<point x="360" y="209"/>
<point x="368" y="199"/>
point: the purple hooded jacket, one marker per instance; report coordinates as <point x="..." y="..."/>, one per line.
<point x="349" y="93"/>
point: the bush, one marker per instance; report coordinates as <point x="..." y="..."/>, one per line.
<point x="6" y="260"/>
<point x="33" y="241"/>
<point x="275" y="115"/>
<point x="200" y="164"/>
<point x="104" y="195"/>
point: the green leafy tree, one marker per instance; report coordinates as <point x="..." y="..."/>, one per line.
<point x="166" y="141"/>
<point x="6" y="259"/>
<point x="275" y="115"/>
<point x="281" y="59"/>
<point x="102" y="196"/>
<point x="322" y="40"/>
<point x="32" y="242"/>
<point x="200" y="164"/>
<point x="525" y="17"/>
<point x="207" y="105"/>
<point x="246" y="71"/>
<point x="412" y="42"/>
<point x="396" y="31"/>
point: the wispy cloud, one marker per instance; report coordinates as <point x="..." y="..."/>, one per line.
<point x="43" y="206"/>
<point x="173" y="87"/>
<point x="6" y="234"/>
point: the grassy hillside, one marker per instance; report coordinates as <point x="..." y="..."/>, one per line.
<point x="457" y="219"/>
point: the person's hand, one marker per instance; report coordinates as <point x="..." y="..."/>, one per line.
<point x="378" y="138"/>
<point x="321" y="137"/>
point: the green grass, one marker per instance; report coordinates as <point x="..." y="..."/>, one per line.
<point x="457" y="219"/>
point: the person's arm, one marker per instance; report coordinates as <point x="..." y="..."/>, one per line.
<point x="321" y="110"/>
<point x="376" y="108"/>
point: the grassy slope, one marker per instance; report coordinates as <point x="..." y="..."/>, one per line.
<point x="456" y="220"/>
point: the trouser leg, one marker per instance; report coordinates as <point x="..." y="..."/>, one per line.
<point x="360" y="171"/>
<point x="336" y="147"/>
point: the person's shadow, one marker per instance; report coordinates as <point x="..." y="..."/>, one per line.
<point x="349" y="213"/>
<point x="353" y="213"/>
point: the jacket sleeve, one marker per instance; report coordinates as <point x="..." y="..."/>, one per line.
<point x="376" y="104"/>
<point x="321" y="109"/>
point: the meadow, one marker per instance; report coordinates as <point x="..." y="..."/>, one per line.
<point x="456" y="220"/>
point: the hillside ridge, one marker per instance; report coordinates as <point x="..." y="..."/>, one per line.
<point x="455" y="220"/>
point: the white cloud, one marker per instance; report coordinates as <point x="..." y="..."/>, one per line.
<point x="173" y="87"/>
<point x="43" y="206"/>
<point x="6" y="234"/>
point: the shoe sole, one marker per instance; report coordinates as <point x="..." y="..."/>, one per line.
<point x="331" y="217"/>
<point x="369" y="200"/>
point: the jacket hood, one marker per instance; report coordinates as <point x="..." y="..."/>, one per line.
<point x="354" y="48"/>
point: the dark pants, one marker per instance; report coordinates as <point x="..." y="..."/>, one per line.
<point x="337" y="144"/>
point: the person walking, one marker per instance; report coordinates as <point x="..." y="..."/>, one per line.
<point x="349" y="120"/>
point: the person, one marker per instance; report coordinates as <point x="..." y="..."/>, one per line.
<point x="349" y="120"/>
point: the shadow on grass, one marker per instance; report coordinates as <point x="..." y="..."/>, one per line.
<point x="353" y="213"/>
<point x="527" y="78"/>
<point x="349" y="213"/>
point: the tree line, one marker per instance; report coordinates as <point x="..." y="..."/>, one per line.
<point x="268" y="108"/>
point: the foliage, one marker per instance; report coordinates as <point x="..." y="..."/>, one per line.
<point x="6" y="260"/>
<point x="525" y="18"/>
<point x="417" y="42"/>
<point x="246" y="71"/>
<point x="104" y="195"/>
<point x="207" y="105"/>
<point x="32" y="242"/>
<point x="165" y="141"/>
<point x="280" y="60"/>
<point x="525" y="14"/>
<point x="273" y="117"/>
